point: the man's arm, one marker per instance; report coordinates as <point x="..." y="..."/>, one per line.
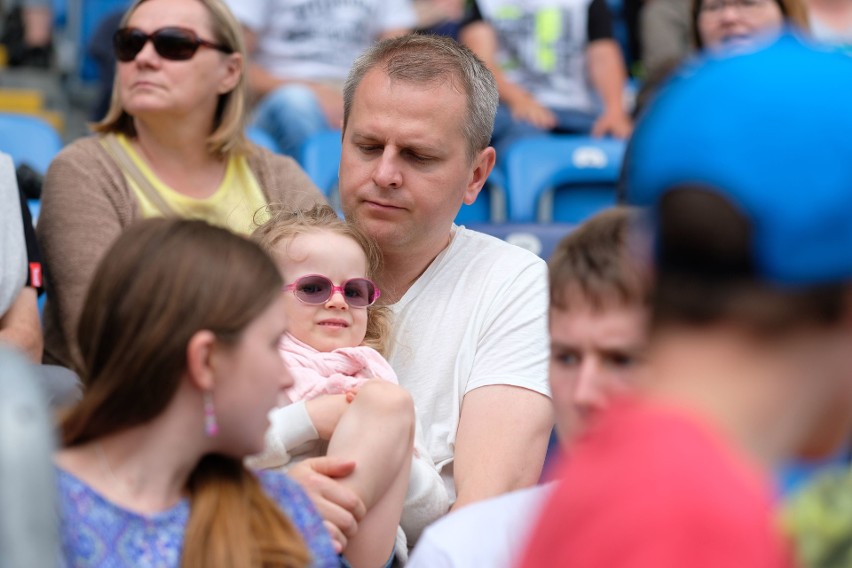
<point x="260" y="81"/>
<point x="608" y="75"/>
<point x="501" y="441"/>
<point x="20" y="326"/>
<point x="481" y="38"/>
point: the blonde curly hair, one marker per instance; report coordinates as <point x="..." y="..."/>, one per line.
<point x="284" y="224"/>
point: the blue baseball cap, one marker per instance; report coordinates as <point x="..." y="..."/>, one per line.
<point x="771" y="131"/>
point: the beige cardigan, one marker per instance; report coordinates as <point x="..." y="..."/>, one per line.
<point x="86" y="203"/>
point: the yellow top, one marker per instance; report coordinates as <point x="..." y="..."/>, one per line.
<point x="232" y="206"/>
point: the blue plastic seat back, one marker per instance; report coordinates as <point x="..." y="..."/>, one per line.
<point x="477" y="212"/>
<point x="577" y="204"/>
<point x="490" y="204"/>
<point x="320" y="158"/>
<point x="60" y="13"/>
<point x="29" y="140"/>
<point x="83" y="19"/>
<point x="540" y="239"/>
<point x="561" y="178"/>
<point x="619" y="26"/>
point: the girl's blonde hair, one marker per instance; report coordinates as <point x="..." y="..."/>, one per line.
<point x="160" y="283"/>
<point x="228" y="135"/>
<point x="283" y="225"/>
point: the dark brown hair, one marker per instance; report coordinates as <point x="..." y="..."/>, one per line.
<point x="284" y="224"/>
<point x="594" y="263"/>
<point x="160" y="283"/>
<point x="706" y="272"/>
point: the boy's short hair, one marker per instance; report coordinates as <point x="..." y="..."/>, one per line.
<point x="594" y="264"/>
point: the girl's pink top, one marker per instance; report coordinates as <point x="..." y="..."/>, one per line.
<point x="335" y="372"/>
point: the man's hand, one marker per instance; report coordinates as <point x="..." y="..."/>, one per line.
<point x="616" y="123"/>
<point x="607" y="74"/>
<point x="526" y="109"/>
<point x="339" y="506"/>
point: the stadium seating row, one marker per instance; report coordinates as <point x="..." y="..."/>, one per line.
<point x="31" y="140"/>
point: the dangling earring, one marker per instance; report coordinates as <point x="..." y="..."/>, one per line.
<point x="210" y="426"/>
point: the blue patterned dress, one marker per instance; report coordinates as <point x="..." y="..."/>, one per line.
<point x="96" y="533"/>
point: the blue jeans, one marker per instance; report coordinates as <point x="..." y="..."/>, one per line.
<point x="507" y="130"/>
<point x="290" y="114"/>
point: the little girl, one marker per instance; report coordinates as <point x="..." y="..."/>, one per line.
<point x="346" y="400"/>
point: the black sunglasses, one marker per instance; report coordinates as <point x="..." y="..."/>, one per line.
<point x="176" y="44"/>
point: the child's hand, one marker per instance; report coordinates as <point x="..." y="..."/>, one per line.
<point x="352" y="393"/>
<point x="325" y="412"/>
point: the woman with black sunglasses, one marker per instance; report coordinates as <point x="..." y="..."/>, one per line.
<point x="172" y="144"/>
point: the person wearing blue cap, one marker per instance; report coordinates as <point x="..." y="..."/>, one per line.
<point x="743" y="166"/>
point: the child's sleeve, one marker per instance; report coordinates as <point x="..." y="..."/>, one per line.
<point x="289" y="427"/>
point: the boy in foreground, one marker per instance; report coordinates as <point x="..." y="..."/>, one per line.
<point x="598" y="315"/>
<point x="751" y="320"/>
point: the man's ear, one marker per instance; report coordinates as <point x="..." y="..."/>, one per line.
<point x="199" y="359"/>
<point x="483" y="163"/>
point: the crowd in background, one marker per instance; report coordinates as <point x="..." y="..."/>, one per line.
<point x="242" y="377"/>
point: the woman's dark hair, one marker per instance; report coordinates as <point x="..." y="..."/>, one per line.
<point x="594" y="264"/>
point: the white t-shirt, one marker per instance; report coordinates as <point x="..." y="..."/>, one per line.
<point x="490" y="533"/>
<point x="318" y="39"/>
<point x="476" y="317"/>
<point x="13" y="248"/>
<point x="542" y="47"/>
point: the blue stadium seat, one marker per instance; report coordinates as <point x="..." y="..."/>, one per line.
<point x="29" y="140"/>
<point x="262" y="139"/>
<point x="561" y="178"/>
<point x="320" y="158"/>
<point x="490" y="204"/>
<point x="537" y="238"/>
<point x="35" y="208"/>
<point x="619" y="27"/>
<point x="60" y="13"/>
<point x="82" y="21"/>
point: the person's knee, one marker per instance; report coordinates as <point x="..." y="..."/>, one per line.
<point x="294" y="100"/>
<point x="388" y="400"/>
<point x="291" y="114"/>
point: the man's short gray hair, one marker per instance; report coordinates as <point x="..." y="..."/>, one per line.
<point x="418" y="58"/>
